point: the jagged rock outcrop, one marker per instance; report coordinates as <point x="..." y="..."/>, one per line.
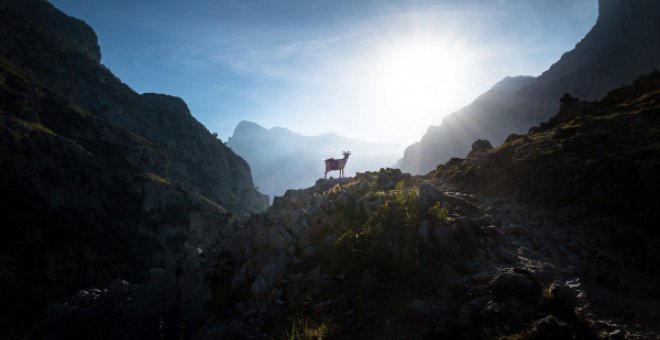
<point x="281" y="159"/>
<point x="621" y="46"/>
<point x="97" y="182"/>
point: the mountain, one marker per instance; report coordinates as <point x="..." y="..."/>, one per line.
<point x="105" y="233"/>
<point x="97" y="182"/>
<point x="621" y="46"/>
<point x="552" y="235"/>
<point x="281" y="159"/>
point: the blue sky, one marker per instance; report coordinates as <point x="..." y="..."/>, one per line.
<point x="375" y="70"/>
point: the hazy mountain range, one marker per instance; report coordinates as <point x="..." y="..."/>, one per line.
<point x="622" y="45"/>
<point x="281" y="159"/>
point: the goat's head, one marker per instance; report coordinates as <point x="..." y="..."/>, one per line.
<point x="346" y="153"/>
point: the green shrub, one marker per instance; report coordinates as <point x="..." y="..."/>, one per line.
<point x="438" y="211"/>
<point x="305" y="328"/>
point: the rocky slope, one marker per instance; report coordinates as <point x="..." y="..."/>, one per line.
<point x="552" y="235"/>
<point x="97" y="182"/>
<point x="621" y="46"/>
<point x="281" y="159"/>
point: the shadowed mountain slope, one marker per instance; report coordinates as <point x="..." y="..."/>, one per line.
<point x="62" y="53"/>
<point x="621" y="46"/>
<point x="97" y="181"/>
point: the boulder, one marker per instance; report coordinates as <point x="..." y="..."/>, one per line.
<point x="516" y="284"/>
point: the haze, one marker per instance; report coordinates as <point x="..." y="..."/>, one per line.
<point x="372" y="70"/>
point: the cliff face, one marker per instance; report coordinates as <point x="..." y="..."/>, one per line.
<point x="621" y="46"/>
<point x="62" y="52"/>
<point x="97" y="181"/>
<point x="282" y="159"/>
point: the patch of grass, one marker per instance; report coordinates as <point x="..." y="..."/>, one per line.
<point x="156" y="178"/>
<point x="40" y="127"/>
<point x="438" y="211"/>
<point x="382" y="237"/>
<point x="213" y="203"/>
<point x="11" y="68"/>
<point x="79" y="110"/>
<point x="305" y="328"/>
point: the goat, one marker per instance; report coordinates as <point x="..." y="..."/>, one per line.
<point x="336" y="164"/>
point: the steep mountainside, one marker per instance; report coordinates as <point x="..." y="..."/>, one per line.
<point x="552" y="235"/>
<point x="97" y="181"/>
<point x="62" y="53"/>
<point x="281" y="159"/>
<point x="458" y="130"/>
<point x="622" y="45"/>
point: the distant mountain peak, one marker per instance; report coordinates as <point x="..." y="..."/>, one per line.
<point x="282" y="159"/>
<point x="246" y="125"/>
<point x="616" y="10"/>
<point x="512" y="84"/>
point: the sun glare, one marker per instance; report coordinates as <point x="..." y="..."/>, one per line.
<point x="415" y="82"/>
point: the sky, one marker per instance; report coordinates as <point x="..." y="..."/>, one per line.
<point x="376" y="70"/>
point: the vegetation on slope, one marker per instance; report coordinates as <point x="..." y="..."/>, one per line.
<point x="524" y="240"/>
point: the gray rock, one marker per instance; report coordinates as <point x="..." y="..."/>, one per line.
<point x="446" y="240"/>
<point x="515" y="283"/>
<point x="424" y="233"/>
<point x="562" y="295"/>
<point x="428" y="194"/>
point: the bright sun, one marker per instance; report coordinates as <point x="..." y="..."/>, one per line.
<point x="416" y="81"/>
